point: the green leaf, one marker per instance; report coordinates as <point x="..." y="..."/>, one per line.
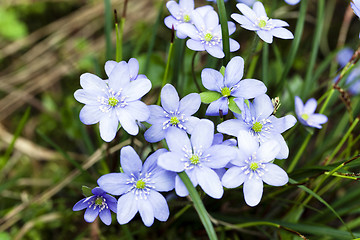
<point x="233" y="107"/>
<point x="210" y="96"/>
<point x="86" y="191"/>
<point x="222" y="70"/>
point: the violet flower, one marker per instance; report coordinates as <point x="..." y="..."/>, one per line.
<point x="306" y="113"/>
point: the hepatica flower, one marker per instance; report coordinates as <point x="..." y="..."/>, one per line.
<point x="114" y="101"/>
<point x="247" y="2"/>
<point x="98" y="204"/>
<point x="306" y="113"/>
<point x="257" y="20"/>
<point x="197" y="157"/>
<point x="172" y="114"/>
<point x="205" y="34"/>
<point x="257" y="119"/>
<point x="133" y="65"/>
<point x="181" y="13"/>
<point x="292" y="2"/>
<point x="139" y="186"/>
<point x="230" y="86"/>
<point x="253" y="166"/>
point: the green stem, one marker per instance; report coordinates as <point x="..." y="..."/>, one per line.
<point x="108" y="28"/>
<point x="265" y="63"/>
<point x="224" y="31"/>
<point x="314" y="52"/>
<point x="193" y="72"/>
<point x="299" y="153"/>
<point x="327" y="101"/>
<point x="164" y="81"/>
<point x="119" y="39"/>
<point x="199" y="206"/>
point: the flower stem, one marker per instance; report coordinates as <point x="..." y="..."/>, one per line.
<point x="193" y="72"/>
<point x="199" y="206"/>
<point x="108" y="28"/>
<point x="224" y="31"/>
<point x="164" y="81"/>
<point x="299" y="153"/>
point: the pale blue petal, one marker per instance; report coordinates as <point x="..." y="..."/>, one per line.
<point x="249" y="88"/>
<point x="233" y="177"/>
<point x="127" y="207"/>
<point x="211" y="19"/>
<point x="198" y="22"/>
<point x="316" y="119"/>
<point x="263" y="106"/>
<point x="133" y="67"/>
<point x="114" y="183"/>
<point x="186" y="4"/>
<point x="219" y="155"/>
<point x="209" y="182"/>
<point x="127" y="122"/>
<point x="195" y="45"/>
<point x="171" y="21"/>
<point x="138" y="110"/>
<point x="108" y="126"/>
<point x="190" y="104"/>
<point x="203" y="10"/>
<point x="90" y="114"/>
<point x="203" y="135"/>
<point x="159" y="205"/>
<point x="234" y="71"/>
<point x="212" y="79"/>
<point x="146" y="212"/>
<point x="90" y="81"/>
<point x="97" y="191"/>
<point x="177" y="139"/>
<point x="173" y="7"/>
<point x="105" y="216"/>
<point x="310" y="106"/>
<point x="172" y="161"/>
<point x="292" y="2"/>
<point x="169" y="98"/>
<point x="268" y="151"/>
<point x="259" y="9"/>
<point x="109" y="66"/>
<point x="82" y="204"/>
<point x="180" y="187"/>
<point x="189" y="30"/>
<point x="130" y="161"/>
<point x="89" y="97"/>
<point x="112" y="204"/>
<point x="215" y="50"/>
<point x="234" y="45"/>
<point x="248" y="12"/>
<point x="284" y="151"/>
<point x="247" y="142"/>
<point x="231" y="27"/>
<point x="274" y="175"/>
<point x="157" y="114"/>
<point x="164" y="181"/>
<point x="282" y="124"/>
<point x="155" y="133"/>
<point x="119" y="76"/>
<point x="136" y="89"/>
<point x="150" y="164"/>
<point x="218" y="138"/>
<point x="279" y="23"/>
<point x="91" y="214"/>
<point x="214" y="107"/>
<point x="282" y="33"/>
<point x="253" y="190"/>
<point x="265" y="35"/>
<point x="245" y="22"/>
<point x="190" y="124"/>
<point x="299" y="106"/>
<point x="232" y="127"/>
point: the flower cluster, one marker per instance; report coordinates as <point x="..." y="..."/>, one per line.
<point x="193" y="147"/>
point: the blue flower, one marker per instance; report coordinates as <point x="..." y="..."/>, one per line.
<point x="253" y="166"/>
<point x="197" y="157"/>
<point x="247" y="2"/>
<point x="306" y="113"/>
<point x="344" y="56"/>
<point x="172" y="114"/>
<point x="230" y="85"/>
<point x="257" y="119"/>
<point x="205" y="34"/>
<point x="292" y="2"/>
<point x="133" y="65"/>
<point x="256" y="20"/>
<point x="139" y="186"/>
<point x="181" y="13"/>
<point x="98" y="204"/>
<point x="114" y="101"/>
<point x="353" y="81"/>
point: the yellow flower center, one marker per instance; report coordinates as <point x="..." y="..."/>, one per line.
<point x="140" y="184"/>
<point x="225" y="91"/>
<point x="257" y="127"/>
<point x="99" y="201"/>
<point x="305" y="116"/>
<point x="174" y="121"/>
<point x="208" y="37"/>
<point x="113" y="101"/>
<point x="262" y="23"/>
<point x="195" y="159"/>
<point x="254" y="166"/>
<point x="186" y="18"/>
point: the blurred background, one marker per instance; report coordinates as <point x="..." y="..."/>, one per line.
<point x="47" y="154"/>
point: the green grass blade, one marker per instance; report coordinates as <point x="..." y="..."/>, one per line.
<point x="108" y="28"/>
<point x="224" y="31"/>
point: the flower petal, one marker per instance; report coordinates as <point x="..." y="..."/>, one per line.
<point x="195" y="45"/>
<point x="244" y="22"/>
<point x="90" y="114"/>
<point x="299" y="106"/>
<point x="189" y="30"/>
<point x="284" y="150"/>
<point x="105" y="216"/>
<point x="173" y="8"/>
<point x="282" y="124"/>
<point x="310" y="106"/>
<point x="138" y="110"/>
<point x="233" y="177"/>
<point x="136" y="89"/>
<point x="180" y="187"/>
<point x="234" y="71"/>
<point x="268" y="151"/>
<point x="247" y="143"/>
<point x="253" y="190"/>
<point x="212" y="79"/>
<point x="97" y="191"/>
<point x="90" y="81"/>
<point x="232" y="127"/>
<point x="171" y="161"/>
<point x="109" y="66"/>
<point x="177" y="139"/>
<point x="159" y="205"/>
<point x="265" y="35"/>
<point x="169" y="98"/>
<point x="275" y="175"/>
<point x="119" y="76"/>
<point x="89" y="97"/>
<point x="80" y="205"/>
<point x="130" y="161"/>
<point x="108" y="126"/>
<point x="316" y="119"/>
<point x="219" y="155"/>
<point x="203" y="135"/>
<point x="91" y="214"/>
<point x="215" y="107"/>
<point x="210" y="182"/>
<point x="215" y="50"/>
<point x="127" y="207"/>
<point x="146" y="212"/>
<point x="234" y="45"/>
<point x="114" y="183"/>
<point x="186" y="4"/>
<point x="248" y="12"/>
<point x="190" y="124"/>
<point x="190" y="104"/>
<point x="282" y="33"/>
<point x="155" y="133"/>
<point x="259" y="9"/>
<point x="211" y="19"/>
<point x="127" y="121"/>
<point x="133" y="67"/>
<point x="249" y="88"/>
<point x="263" y="106"/>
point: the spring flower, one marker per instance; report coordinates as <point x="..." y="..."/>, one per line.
<point x="257" y="119"/>
<point x="205" y="34"/>
<point x="98" y="204"/>
<point x="172" y="114"/>
<point x="292" y="2"/>
<point x="197" y="157"/>
<point x="256" y="20"/>
<point x="353" y="79"/>
<point x="181" y="13"/>
<point x="355" y="5"/>
<point x="344" y="56"/>
<point x="247" y="2"/>
<point x="114" y="101"/>
<point x="230" y="85"/>
<point x="253" y="166"/>
<point x="139" y="186"/>
<point x="306" y="113"/>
